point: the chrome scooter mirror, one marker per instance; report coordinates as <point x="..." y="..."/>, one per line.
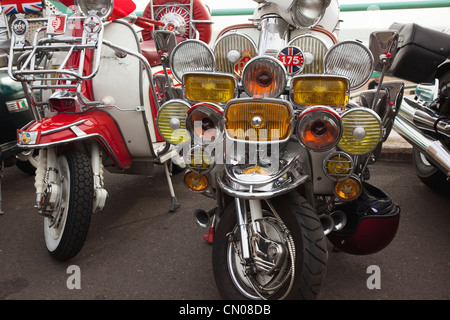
<point x="383" y="45"/>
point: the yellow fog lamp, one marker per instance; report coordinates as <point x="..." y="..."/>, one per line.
<point x="320" y="90"/>
<point x="198" y="160"/>
<point x="171" y="121"/>
<point x="209" y="87"/>
<point x="253" y="120"/>
<point x="256" y="170"/>
<point x="348" y="189"/>
<point x="362" y="131"/>
<point x="338" y="166"/>
<point x="195" y="181"/>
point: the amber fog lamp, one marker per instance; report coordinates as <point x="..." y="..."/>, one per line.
<point x="348" y="189"/>
<point x="195" y="181"/>
<point x="321" y="90"/>
<point x="209" y="87"/>
<point x="268" y="120"/>
<point x="319" y="128"/>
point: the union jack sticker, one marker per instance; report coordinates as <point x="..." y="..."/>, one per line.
<point x="10" y="7"/>
<point x="293" y="60"/>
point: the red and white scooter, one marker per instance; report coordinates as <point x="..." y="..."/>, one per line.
<point x="95" y="98"/>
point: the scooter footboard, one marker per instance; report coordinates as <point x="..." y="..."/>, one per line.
<point x="66" y="128"/>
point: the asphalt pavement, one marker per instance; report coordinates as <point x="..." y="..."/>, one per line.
<point x="137" y="250"/>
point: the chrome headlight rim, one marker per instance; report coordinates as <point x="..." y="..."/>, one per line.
<point x="175" y="73"/>
<point x="102" y="13"/>
<point x="217" y="111"/>
<point x="277" y="63"/>
<point x="296" y="20"/>
<point x="182" y="123"/>
<point x="319" y="109"/>
<point x="364" y="78"/>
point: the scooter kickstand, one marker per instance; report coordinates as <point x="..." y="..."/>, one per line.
<point x="174" y="205"/>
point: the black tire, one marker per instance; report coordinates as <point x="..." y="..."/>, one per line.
<point x="310" y="252"/>
<point x="429" y="174"/>
<point x="66" y="236"/>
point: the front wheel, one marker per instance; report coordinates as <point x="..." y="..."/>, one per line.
<point x="288" y="222"/>
<point x="66" y="231"/>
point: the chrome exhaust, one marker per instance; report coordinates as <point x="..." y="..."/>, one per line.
<point x="339" y="220"/>
<point x="327" y="223"/>
<point x="438" y="154"/>
<point x="203" y="218"/>
<point x="424" y="118"/>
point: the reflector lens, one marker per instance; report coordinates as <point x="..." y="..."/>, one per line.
<point x="258" y="120"/>
<point x="319" y="128"/>
<point x="348" y="189"/>
<point x="171" y="121"/>
<point x="327" y="91"/>
<point x="362" y="131"/>
<point x="196" y="182"/>
<point x="209" y="87"/>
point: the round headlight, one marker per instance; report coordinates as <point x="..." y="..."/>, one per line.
<point x="264" y="77"/>
<point x="102" y="8"/>
<point x="171" y="121"/>
<point x="205" y="123"/>
<point x="233" y="51"/>
<point x="362" y="131"/>
<point x="319" y="128"/>
<point x="191" y="56"/>
<point x="350" y="59"/>
<point x="307" y="13"/>
<point x="338" y="166"/>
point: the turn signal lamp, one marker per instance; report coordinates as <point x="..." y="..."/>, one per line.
<point x="320" y="90"/>
<point x="348" y="189"/>
<point x="319" y="128"/>
<point x="209" y="87"/>
<point x="171" y="121"/>
<point x="264" y="76"/>
<point x="258" y="120"/>
<point x="195" y="181"/>
<point x="362" y="131"/>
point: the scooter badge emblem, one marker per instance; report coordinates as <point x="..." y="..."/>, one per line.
<point x="57" y="24"/>
<point x="292" y="58"/>
<point x="239" y="66"/>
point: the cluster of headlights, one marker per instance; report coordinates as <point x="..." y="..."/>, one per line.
<point x="213" y="112"/>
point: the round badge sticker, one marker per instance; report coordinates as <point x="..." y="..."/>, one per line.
<point x="292" y="58"/>
<point x="20" y="27"/>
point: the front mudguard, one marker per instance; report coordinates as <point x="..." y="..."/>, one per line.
<point x="64" y="128"/>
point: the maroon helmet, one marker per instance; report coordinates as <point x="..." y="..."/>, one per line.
<point x="372" y="222"/>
